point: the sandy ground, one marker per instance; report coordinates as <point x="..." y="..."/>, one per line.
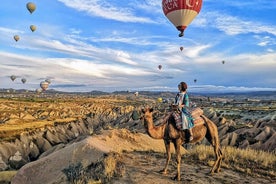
<point x="144" y="168"/>
<point x="143" y="159"/>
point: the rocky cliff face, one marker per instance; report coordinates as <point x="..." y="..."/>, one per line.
<point x="256" y="135"/>
<point x="64" y="123"/>
<point x="86" y="118"/>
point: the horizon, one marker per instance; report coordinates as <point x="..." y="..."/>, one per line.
<point x="220" y="92"/>
<point x="89" y="45"/>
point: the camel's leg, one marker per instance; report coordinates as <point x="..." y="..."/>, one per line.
<point x="219" y="162"/>
<point x="213" y="138"/>
<point x="218" y="153"/>
<point x="177" y="144"/>
<point x="168" y="152"/>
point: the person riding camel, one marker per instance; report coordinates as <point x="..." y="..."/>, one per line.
<point x="185" y="120"/>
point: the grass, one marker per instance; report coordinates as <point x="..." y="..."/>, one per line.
<point x="247" y="161"/>
<point x="6" y="176"/>
<point x="107" y="167"/>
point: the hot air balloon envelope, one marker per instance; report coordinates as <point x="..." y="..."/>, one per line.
<point x="23" y="80"/>
<point x="44" y="85"/>
<point x="33" y="28"/>
<point x="13" y="77"/>
<point x="159" y="100"/>
<point x="160" y="67"/>
<point x="31" y="7"/>
<point x="181" y="12"/>
<point x="181" y="48"/>
<point x="16" y="37"/>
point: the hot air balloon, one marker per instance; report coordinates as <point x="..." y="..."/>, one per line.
<point x="23" y="80"/>
<point x="38" y="90"/>
<point x="195" y="80"/>
<point x="48" y="80"/>
<point x="13" y="77"/>
<point x="159" y="67"/>
<point x="181" y="12"/>
<point x="181" y="48"/>
<point x="31" y="7"/>
<point x="33" y="28"/>
<point x="159" y="100"/>
<point x="16" y="37"/>
<point x="44" y="85"/>
<point x="223" y="62"/>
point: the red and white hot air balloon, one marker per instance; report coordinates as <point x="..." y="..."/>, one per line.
<point x="181" y="12"/>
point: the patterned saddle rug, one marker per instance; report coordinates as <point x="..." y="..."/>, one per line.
<point x="195" y="113"/>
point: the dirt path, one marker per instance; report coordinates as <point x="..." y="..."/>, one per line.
<point x="142" y="167"/>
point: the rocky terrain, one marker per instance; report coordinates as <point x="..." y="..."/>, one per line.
<point x="33" y="131"/>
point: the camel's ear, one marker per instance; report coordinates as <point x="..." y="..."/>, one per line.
<point x="151" y="109"/>
<point x="143" y="111"/>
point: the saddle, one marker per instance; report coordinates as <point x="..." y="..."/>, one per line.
<point x="195" y="113"/>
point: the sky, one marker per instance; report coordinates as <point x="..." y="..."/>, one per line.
<point x="111" y="45"/>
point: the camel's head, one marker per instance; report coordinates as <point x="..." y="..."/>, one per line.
<point x="147" y="114"/>
<point x="147" y="111"/>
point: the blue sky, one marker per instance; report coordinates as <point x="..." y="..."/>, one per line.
<point x="109" y="45"/>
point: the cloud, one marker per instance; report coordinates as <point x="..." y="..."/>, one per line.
<point x="8" y="31"/>
<point x="265" y="40"/>
<point x="219" y="89"/>
<point x="125" y="58"/>
<point x="195" y="51"/>
<point x="252" y="5"/>
<point x="67" y="85"/>
<point x="106" y="9"/>
<point x="232" y="25"/>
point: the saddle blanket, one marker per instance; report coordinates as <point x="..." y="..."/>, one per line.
<point x="196" y="113"/>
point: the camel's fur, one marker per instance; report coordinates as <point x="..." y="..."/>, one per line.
<point x="169" y="133"/>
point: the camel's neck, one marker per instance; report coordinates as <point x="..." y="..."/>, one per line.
<point x="156" y="132"/>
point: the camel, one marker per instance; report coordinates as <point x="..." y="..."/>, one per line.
<point x="169" y="133"/>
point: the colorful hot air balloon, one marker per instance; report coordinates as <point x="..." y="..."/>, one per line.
<point x="44" y="85"/>
<point x="181" y="12"/>
<point x="16" y="37"/>
<point x="31" y="7"/>
<point x="159" y="67"/>
<point x="13" y="77"/>
<point x="23" y="80"/>
<point x="33" y="28"/>
<point x="181" y="48"/>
